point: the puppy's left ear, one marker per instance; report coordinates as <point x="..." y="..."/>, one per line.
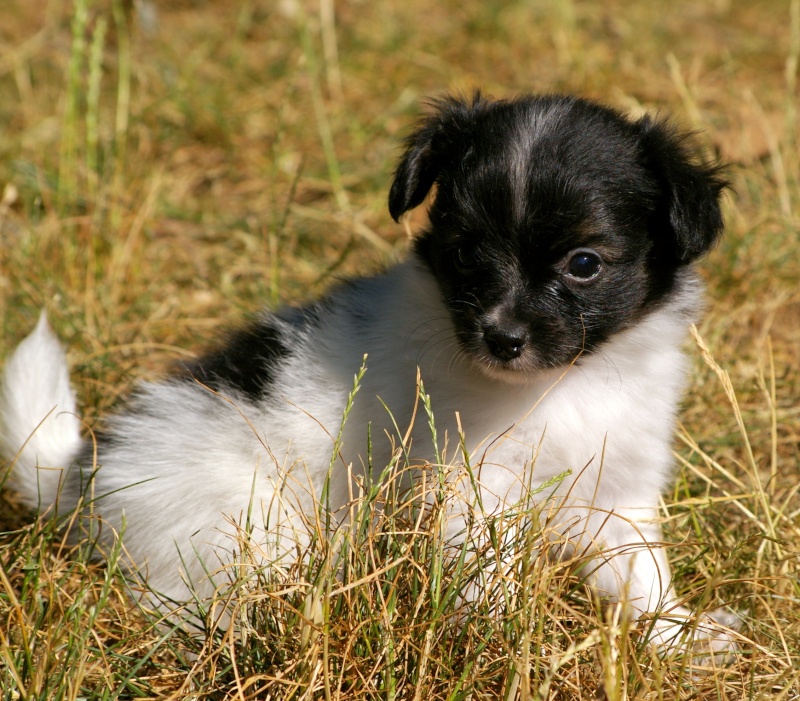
<point x="417" y="170"/>
<point x="691" y="190"/>
<point x="439" y="141"/>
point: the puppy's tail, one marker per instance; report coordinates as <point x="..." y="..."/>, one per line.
<point x="39" y="425"/>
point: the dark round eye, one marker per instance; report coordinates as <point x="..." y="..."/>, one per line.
<point x="584" y="265"/>
<point x="466" y="259"/>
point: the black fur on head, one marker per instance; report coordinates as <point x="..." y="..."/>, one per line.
<point x="556" y="222"/>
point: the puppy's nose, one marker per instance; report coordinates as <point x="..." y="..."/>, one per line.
<point x="505" y="341"/>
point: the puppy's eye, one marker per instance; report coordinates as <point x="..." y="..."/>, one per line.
<point x="584" y="264"/>
<point x="466" y="259"/>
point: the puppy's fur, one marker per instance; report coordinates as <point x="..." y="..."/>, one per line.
<point x="546" y="303"/>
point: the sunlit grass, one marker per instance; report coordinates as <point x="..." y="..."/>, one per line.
<point x="166" y="168"/>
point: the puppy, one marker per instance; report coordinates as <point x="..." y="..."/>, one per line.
<point x="544" y="307"/>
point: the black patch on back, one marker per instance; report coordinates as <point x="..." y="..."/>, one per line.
<point x="246" y="361"/>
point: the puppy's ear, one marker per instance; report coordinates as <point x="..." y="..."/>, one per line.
<point x="439" y="140"/>
<point x="690" y="190"/>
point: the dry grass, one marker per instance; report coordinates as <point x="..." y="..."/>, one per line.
<point x="164" y="173"/>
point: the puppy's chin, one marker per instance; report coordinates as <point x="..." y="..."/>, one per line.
<point x="519" y="371"/>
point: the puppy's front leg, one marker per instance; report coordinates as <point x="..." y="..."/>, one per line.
<point x="633" y="569"/>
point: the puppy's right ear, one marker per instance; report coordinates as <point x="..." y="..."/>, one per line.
<point x="438" y="141"/>
<point x="689" y="211"/>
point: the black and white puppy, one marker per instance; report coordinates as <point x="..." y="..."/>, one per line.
<point x="545" y="304"/>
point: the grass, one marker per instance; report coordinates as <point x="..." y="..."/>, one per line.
<point x="165" y="167"/>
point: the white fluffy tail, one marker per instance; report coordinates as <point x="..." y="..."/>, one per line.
<point x="39" y="425"/>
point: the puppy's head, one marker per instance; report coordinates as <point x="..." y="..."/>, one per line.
<point x="556" y="223"/>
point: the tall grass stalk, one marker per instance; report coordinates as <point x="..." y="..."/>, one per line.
<point x="123" y="107"/>
<point x="68" y="163"/>
<point x="94" y="174"/>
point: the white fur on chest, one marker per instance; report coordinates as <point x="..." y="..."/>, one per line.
<point x="614" y="407"/>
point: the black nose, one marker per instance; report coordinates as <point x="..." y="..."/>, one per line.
<point x="505" y="342"/>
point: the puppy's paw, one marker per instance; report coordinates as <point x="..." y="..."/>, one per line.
<point x="715" y="639"/>
<point x="710" y="638"/>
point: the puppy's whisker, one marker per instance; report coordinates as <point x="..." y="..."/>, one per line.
<point x="443" y="346"/>
<point x="451" y="343"/>
<point x="431" y="341"/>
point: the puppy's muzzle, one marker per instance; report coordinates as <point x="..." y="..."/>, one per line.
<point x="505" y="341"/>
